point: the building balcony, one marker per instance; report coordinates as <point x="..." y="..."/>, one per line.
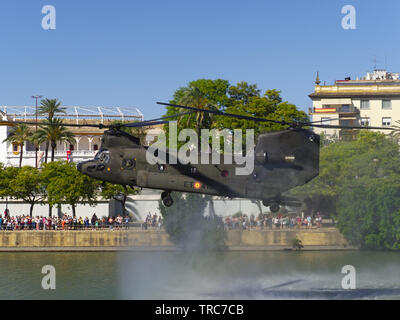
<point x="341" y="110"/>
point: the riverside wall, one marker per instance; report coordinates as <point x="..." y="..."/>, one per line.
<point x="112" y="240"/>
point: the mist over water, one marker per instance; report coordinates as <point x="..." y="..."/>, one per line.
<point x="258" y="275"/>
<point x="217" y="275"/>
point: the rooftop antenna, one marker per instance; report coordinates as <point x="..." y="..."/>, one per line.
<point x="375" y="61"/>
<point x="385" y="62"/>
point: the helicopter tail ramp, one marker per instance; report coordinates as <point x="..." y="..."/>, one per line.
<point x="290" y="158"/>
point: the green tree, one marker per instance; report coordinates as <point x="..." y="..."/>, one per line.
<point x="246" y="100"/>
<point x="65" y="184"/>
<point x="17" y="136"/>
<point x="202" y="94"/>
<point x="242" y="99"/>
<point x="372" y="155"/>
<point x="368" y="212"/>
<point x="359" y="184"/>
<point x="188" y="227"/>
<point x="50" y="107"/>
<point x="26" y="184"/>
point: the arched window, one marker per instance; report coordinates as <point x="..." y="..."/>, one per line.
<point x="95" y="147"/>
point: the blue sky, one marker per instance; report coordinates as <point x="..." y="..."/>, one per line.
<point x="134" y="53"/>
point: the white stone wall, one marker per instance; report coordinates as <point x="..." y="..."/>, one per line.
<point x="3" y="145"/>
<point x="138" y="205"/>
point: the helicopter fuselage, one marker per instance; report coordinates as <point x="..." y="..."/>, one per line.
<point x="282" y="161"/>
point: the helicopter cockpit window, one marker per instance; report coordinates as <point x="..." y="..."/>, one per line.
<point x="103" y="156"/>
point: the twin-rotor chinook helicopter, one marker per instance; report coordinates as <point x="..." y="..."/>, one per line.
<point x="282" y="160"/>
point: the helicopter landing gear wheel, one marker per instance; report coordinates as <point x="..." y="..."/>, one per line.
<point x="167" y="199"/>
<point x="274" y="207"/>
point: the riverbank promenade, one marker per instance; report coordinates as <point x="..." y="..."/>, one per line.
<point x="158" y="239"/>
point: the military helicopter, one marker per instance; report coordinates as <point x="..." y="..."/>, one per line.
<point x="282" y="160"/>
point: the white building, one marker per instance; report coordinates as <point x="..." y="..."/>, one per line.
<point x="373" y="100"/>
<point x="87" y="140"/>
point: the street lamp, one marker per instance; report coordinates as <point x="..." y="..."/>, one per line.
<point x="36" y="113"/>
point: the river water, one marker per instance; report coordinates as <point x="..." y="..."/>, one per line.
<point x="175" y="275"/>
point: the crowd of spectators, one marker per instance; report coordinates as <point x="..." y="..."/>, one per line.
<point x="66" y="222"/>
<point x="278" y="221"/>
<point x="152" y="221"/>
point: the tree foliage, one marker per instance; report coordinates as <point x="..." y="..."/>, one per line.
<point x="242" y="99"/>
<point x="245" y="99"/>
<point x="359" y="184"/>
<point x="65" y="184"/>
<point x="49" y="108"/>
<point x="53" y="131"/>
<point x="24" y="183"/>
<point x="368" y="213"/>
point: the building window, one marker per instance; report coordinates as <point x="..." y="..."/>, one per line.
<point x="386" y="122"/>
<point x="365" y="122"/>
<point x="15" y="148"/>
<point x="386" y="105"/>
<point x="71" y="147"/>
<point x="345" y="108"/>
<point x="95" y="147"/>
<point x="346" y="123"/>
<point x="364" y="104"/>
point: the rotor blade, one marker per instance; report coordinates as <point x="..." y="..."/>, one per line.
<point x="322" y="120"/>
<point x="9" y="123"/>
<point x="217" y="112"/>
<point x="143" y="124"/>
<point x="327" y="126"/>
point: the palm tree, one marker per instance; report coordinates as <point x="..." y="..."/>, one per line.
<point x="18" y="136"/>
<point x="50" y="107"/>
<point x="37" y="139"/>
<point x="194" y="97"/>
<point x="53" y="131"/>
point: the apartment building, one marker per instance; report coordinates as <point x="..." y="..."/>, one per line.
<point x="373" y="100"/>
